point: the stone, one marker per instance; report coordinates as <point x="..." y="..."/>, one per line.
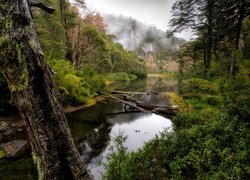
<point x="13" y="125"/>
<point x="8" y="135"/>
<point x="16" y="148"/>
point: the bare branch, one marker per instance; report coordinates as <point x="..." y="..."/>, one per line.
<point x="42" y="6"/>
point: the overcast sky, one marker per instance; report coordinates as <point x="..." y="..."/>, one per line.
<point x="154" y="12"/>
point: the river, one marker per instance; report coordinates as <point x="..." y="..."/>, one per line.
<point x="98" y="125"/>
<point x="94" y="128"/>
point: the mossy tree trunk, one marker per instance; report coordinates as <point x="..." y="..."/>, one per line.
<point x="30" y="81"/>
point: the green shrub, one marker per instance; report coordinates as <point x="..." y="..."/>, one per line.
<point x="132" y="77"/>
<point x="121" y="77"/>
<point x="72" y="88"/>
<point x="97" y="83"/>
<point x="75" y="89"/>
<point x="212" y="99"/>
<point x="196" y="87"/>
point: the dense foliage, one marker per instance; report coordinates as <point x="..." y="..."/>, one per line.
<point x="210" y="139"/>
<point x="82" y="57"/>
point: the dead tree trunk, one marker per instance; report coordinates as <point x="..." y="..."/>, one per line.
<point x="29" y="78"/>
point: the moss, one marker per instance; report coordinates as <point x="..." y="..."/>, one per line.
<point x="37" y="162"/>
<point x="18" y="169"/>
<point x="13" y="63"/>
<point x="2" y="154"/>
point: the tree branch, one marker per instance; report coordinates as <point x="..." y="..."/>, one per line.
<point x="42" y="6"/>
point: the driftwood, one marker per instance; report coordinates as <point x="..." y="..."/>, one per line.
<point x="129" y="101"/>
<point x="128" y="92"/>
<point x="125" y="102"/>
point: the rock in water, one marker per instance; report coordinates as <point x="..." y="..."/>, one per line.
<point x="16" y="148"/>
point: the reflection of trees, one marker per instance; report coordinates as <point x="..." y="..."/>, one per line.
<point x="137" y="85"/>
<point x="95" y="142"/>
<point x="126" y="117"/>
<point x="90" y="128"/>
<point x="156" y="84"/>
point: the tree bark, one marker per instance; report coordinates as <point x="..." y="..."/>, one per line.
<point x="241" y="16"/>
<point x="30" y="81"/>
<point x="210" y="7"/>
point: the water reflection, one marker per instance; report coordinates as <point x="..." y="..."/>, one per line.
<point x="152" y="84"/>
<point x="94" y="128"/>
<point x="95" y="142"/>
<point x="139" y="127"/>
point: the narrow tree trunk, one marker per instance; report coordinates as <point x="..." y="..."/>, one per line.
<point x="241" y="16"/>
<point x="205" y="57"/>
<point x="209" y="34"/>
<point x="29" y="78"/>
<point x="63" y="5"/>
<point x="242" y="6"/>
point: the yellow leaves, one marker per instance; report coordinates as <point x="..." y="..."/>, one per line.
<point x="108" y="83"/>
<point x="2" y="154"/>
<point x="178" y="101"/>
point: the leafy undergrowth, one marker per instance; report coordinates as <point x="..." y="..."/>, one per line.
<point x="210" y="141"/>
<point x="177" y="100"/>
<point x="2" y="154"/>
<point x="79" y="86"/>
<point x="19" y="169"/>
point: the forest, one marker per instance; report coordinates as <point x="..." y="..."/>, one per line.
<point x="59" y="60"/>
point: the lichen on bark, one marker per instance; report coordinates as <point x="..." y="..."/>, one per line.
<point x="13" y="64"/>
<point x="38" y="165"/>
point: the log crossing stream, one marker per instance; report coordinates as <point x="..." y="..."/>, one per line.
<point x="94" y="128"/>
<point x="146" y="107"/>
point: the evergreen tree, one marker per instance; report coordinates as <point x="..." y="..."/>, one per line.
<point x="199" y="16"/>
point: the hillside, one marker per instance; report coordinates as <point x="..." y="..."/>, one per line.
<point x="147" y="41"/>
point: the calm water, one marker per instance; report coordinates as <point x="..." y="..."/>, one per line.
<point x="98" y="125"/>
<point x="138" y="127"/>
<point x="94" y="128"/>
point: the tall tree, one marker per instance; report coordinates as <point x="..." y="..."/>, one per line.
<point x="69" y="16"/>
<point x="29" y="78"/>
<point x="229" y="22"/>
<point x="230" y="19"/>
<point x="95" y="19"/>
<point x="197" y="15"/>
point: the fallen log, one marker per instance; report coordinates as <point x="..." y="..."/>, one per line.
<point x="128" y="92"/>
<point x="169" y="111"/>
<point x="125" y="102"/>
<point x="129" y="98"/>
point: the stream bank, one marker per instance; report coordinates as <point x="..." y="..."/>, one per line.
<point x="94" y="128"/>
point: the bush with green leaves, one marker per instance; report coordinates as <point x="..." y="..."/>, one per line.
<point x="197" y="87"/>
<point x="73" y="88"/>
<point x="208" y="142"/>
<point x="215" y="149"/>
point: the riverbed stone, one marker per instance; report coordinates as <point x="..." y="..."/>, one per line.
<point x="16" y="148"/>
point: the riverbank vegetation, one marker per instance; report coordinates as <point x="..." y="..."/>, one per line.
<point x="210" y="136"/>
<point x="82" y="56"/>
<point x="211" y="139"/>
